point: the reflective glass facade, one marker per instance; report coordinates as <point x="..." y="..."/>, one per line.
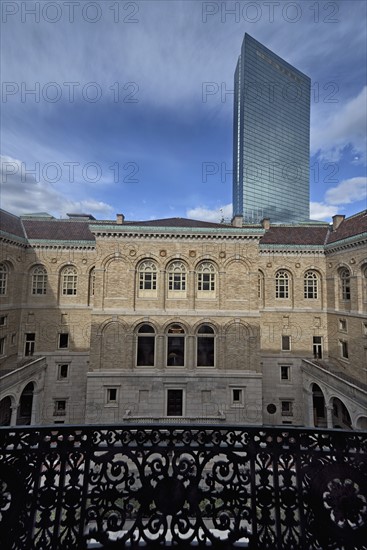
<point x="271" y="144"/>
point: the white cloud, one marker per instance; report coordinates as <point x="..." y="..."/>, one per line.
<point x="211" y="215"/>
<point x="347" y="127"/>
<point x="348" y="191"/>
<point x="321" y="211"/>
<point x="22" y="193"/>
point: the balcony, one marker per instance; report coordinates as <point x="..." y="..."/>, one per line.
<point x="130" y="486"/>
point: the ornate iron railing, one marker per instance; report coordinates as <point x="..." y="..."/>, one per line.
<point x="77" y="487"/>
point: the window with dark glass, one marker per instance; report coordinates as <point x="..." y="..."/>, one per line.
<point x="60" y="407"/>
<point x="147" y="275"/>
<point x="64" y="340"/>
<point x="344" y="349"/>
<point x="177" y="276"/>
<point x="285" y="372"/>
<point x="146" y="346"/>
<point x="30" y="338"/>
<point x="3" y="279"/>
<point x="310" y="285"/>
<point x="63" y="371"/>
<point x="174" y="402"/>
<point x="317" y="347"/>
<point x="92" y="282"/>
<point x="287" y="408"/>
<point x="345" y="283"/>
<point x="69" y="281"/>
<point x="206" y="277"/>
<point x="175" y="346"/>
<point x="39" y="280"/>
<point x="286" y="343"/>
<point x="205" y="346"/>
<point x="282" y="284"/>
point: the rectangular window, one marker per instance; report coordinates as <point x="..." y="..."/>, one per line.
<point x="286" y="343"/>
<point x="285" y="372"/>
<point x="206" y="282"/>
<point x="177" y="281"/>
<point x="60" y="407"/>
<point x="343" y="325"/>
<point x="287" y="408"/>
<point x="364" y="328"/>
<point x="317" y="347"/>
<point x="175" y="351"/>
<point x="63" y="371"/>
<point x="63" y="340"/>
<point x="2" y="345"/>
<point x="39" y="281"/>
<point x="3" y="319"/>
<point x="111" y="395"/>
<point x="30" y="339"/>
<point x="237" y="396"/>
<point x="148" y="280"/>
<point x="344" y="349"/>
<point x="174" y="402"/>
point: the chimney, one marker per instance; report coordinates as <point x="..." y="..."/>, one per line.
<point x="337" y="220"/>
<point x="237" y="221"/>
<point x="120" y="219"/>
<point x="265" y="222"/>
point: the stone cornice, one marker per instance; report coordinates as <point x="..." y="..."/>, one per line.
<point x="45" y="243"/>
<point x="13" y="239"/>
<point x="235" y="233"/>
<point x="291" y="248"/>
<point x="344" y="244"/>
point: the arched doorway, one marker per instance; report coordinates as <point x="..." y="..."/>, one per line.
<point x="319" y="409"/>
<point x="25" y="405"/>
<point x="5" y="411"/>
<point x="341" y="416"/>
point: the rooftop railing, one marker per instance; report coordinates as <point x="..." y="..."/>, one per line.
<point x="129" y="486"/>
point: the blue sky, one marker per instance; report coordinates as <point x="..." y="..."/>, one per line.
<point x="126" y="107"/>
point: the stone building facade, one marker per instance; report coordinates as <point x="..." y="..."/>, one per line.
<point x="184" y="321"/>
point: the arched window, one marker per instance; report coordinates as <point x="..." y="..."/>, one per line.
<point x="92" y="282"/>
<point x="3" y="279"/>
<point x="175" y="346"/>
<point x="147" y="275"/>
<point x="311" y="285"/>
<point x="205" y="356"/>
<point x="146" y="346"/>
<point x="177" y="277"/>
<point x="282" y="284"/>
<point x="206" y="277"/>
<point x="69" y="281"/>
<point x="39" y="280"/>
<point x="344" y="283"/>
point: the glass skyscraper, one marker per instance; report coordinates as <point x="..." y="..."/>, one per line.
<point x="271" y="137"/>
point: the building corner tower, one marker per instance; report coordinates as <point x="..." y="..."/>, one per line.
<point x="271" y="137"/>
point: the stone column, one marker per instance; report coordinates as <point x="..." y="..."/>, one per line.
<point x="35" y="415"/>
<point x="309" y="408"/>
<point x="190" y="352"/>
<point x="14" y="414"/>
<point x="160" y="352"/>
<point x="191" y="290"/>
<point x="329" y="416"/>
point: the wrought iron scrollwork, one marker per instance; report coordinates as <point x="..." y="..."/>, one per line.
<point x="63" y="487"/>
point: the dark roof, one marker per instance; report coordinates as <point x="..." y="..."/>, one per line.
<point x="58" y="230"/>
<point x="176" y="222"/>
<point x="11" y="224"/>
<point x="311" y="235"/>
<point x="355" y="225"/>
